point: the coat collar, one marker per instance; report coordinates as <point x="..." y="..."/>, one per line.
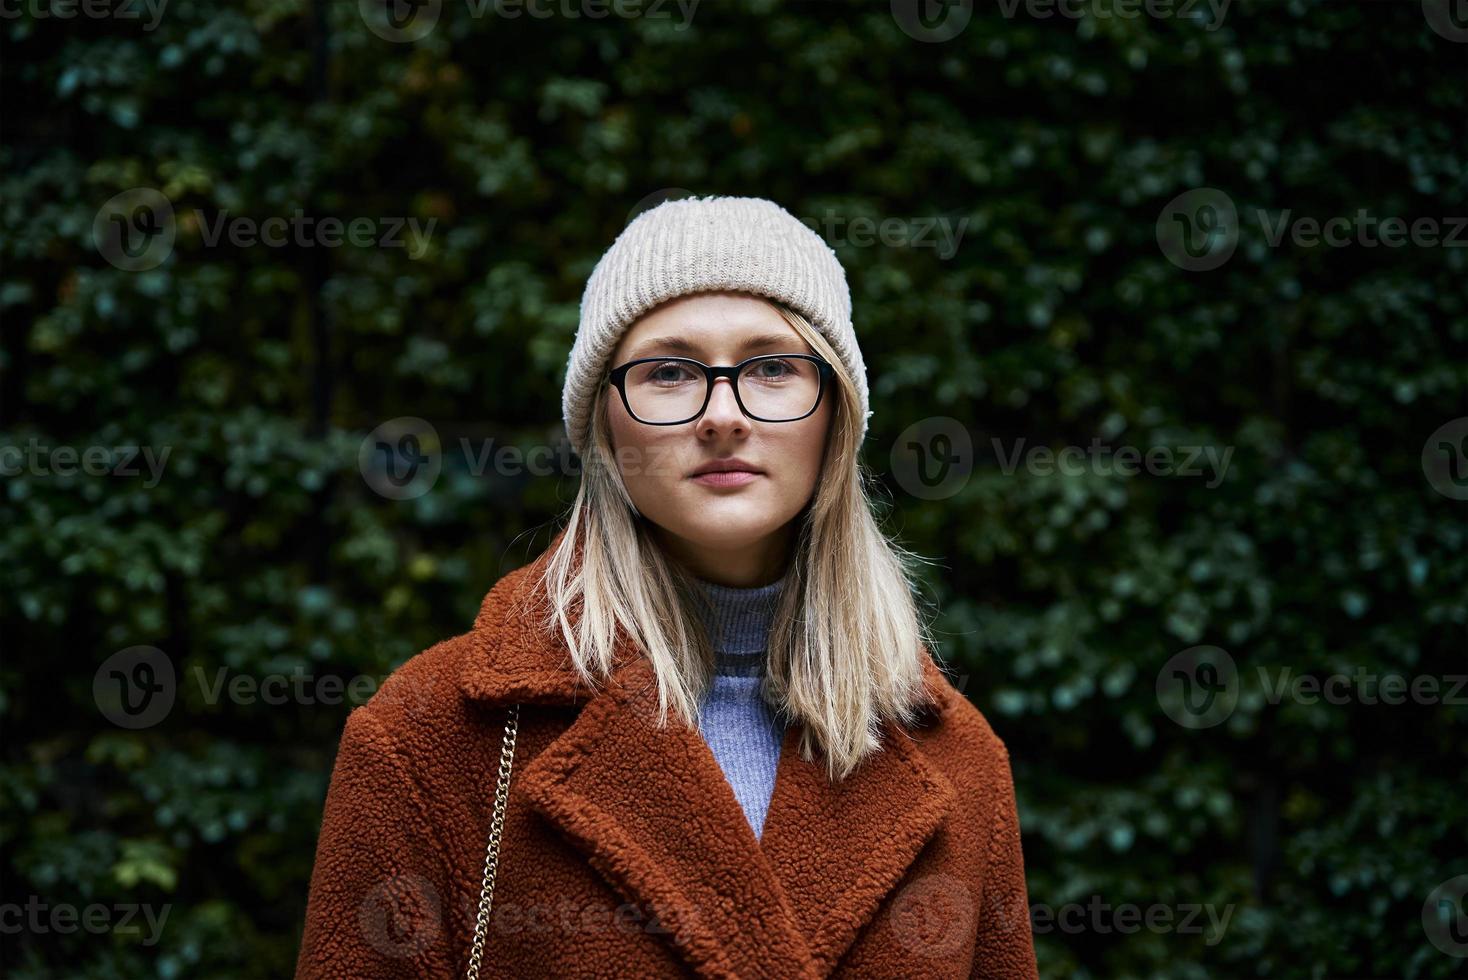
<point x="657" y="818"/>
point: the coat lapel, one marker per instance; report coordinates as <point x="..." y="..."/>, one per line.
<point x="657" y="819"/>
<point x="838" y="850"/>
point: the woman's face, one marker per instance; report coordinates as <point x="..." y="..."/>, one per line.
<point x="735" y="531"/>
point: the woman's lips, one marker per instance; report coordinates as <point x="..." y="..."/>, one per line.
<point x="729" y="478"/>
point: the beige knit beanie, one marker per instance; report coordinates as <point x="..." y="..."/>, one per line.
<point x="695" y="245"/>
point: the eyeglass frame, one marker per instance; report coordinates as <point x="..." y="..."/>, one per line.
<point x="617" y="378"/>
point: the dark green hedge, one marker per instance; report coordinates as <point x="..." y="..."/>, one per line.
<point x="1060" y="315"/>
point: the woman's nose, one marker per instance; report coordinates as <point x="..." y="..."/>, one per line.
<point x="723" y="407"/>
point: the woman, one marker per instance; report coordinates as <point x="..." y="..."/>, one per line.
<point x="702" y="733"/>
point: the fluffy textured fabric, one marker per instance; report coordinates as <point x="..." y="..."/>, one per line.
<point x="625" y="854"/>
<point x="693" y="245"/>
<point x="740" y="726"/>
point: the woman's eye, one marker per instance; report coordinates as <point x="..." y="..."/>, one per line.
<point x="669" y="372"/>
<point x="773" y="369"/>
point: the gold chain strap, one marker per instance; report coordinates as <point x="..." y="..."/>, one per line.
<point x="492" y="853"/>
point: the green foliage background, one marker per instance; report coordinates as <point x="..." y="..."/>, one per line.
<point x="1058" y="320"/>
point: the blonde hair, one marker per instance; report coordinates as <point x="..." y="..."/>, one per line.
<point x="846" y="643"/>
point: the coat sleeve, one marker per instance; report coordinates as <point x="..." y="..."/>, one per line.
<point x="378" y="903"/>
<point x="1005" y="949"/>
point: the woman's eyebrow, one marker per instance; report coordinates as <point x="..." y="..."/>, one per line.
<point x="682" y="345"/>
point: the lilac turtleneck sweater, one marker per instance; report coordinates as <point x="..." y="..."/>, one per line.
<point x="737" y="724"/>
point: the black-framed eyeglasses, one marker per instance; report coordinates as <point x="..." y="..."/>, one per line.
<point x="767" y="388"/>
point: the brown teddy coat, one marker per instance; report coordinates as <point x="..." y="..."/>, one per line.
<point x="625" y="852"/>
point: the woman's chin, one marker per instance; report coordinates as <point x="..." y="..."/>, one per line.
<point x="718" y="531"/>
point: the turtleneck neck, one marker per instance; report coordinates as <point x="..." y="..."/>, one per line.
<point x="738" y="623"/>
